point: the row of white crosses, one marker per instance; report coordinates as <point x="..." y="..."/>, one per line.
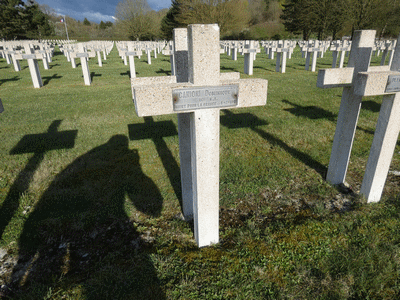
<point x="197" y="93"/>
<point x="339" y="47"/>
<point x="148" y="47"/>
<point x="26" y="50"/>
<point x="310" y="50"/>
<point x="98" y="47"/>
<point x="388" y="50"/>
<point x="283" y="51"/>
<point x="359" y="79"/>
<point x="379" y="46"/>
<point x="84" y="51"/>
<point x="129" y="50"/>
<point x="271" y="47"/>
<point x="12" y="51"/>
<point x="81" y="52"/>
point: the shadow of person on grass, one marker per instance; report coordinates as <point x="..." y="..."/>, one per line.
<point x="79" y="234"/>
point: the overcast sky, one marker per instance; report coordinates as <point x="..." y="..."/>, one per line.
<point x="94" y="10"/>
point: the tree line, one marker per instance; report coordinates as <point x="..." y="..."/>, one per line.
<point x="336" y="18"/>
<point x="238" y="19"/>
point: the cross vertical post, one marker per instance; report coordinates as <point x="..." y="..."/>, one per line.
<point x="185" y="141"/>
<point x="33" y="66"/>
<point x="349" y="109"/>
<point x="204" y="124"/>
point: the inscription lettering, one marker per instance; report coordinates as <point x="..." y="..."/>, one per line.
<point x="28" y="56"/>
<point x="393" y="85"/>
<point x="205" y="97"/>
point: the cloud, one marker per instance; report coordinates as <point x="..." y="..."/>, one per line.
<point x="92" y="16"/>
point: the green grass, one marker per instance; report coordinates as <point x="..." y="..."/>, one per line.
<point x="90" y="193"/>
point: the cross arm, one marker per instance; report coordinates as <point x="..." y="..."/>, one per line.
<point x="331" y="78"/>
<point x="154" y="95"/>
<point x="377" y="83"/>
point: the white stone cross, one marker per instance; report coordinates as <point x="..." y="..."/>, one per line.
<point x="122" y="50"/>
<point x="314" y="51"/>
<point x="131" y="53"/>
<point x="12" y="53"/>
<point x="170" y="52"/>
<point x="249" y="52"/>
<point x="148" y="52"/>
<point x="339" y="47"/>
<point x="272" y="49"/>
<point x="281" y="56"/>
<point x="386" y="83"/>
<point x="389" y="46"/>
<point x="31" y="57"/>
<point x="206" y="91"/>
<point x="84" y="56"/>
<point x="234" y="51"/>
<point x="356" y="84"/>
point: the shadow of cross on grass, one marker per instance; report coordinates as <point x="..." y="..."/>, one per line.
<point x="311" y="112"/>
<point x="48" y="78"/>
<point x="248" y="120"/>
<point x="156" y="131"/>
<point x="38" y="144"/>
<point x="15" y="78"/>
<point x="93" y="74"/>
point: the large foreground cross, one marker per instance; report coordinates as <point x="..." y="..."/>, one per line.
<point x="358" y="80"/>
<point x="202" y="97"/>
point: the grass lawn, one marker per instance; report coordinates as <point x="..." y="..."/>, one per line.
<point x="90" y="193"/>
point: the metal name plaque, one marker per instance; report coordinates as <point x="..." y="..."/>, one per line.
<point x="82" y="55"/>
<point x="132" y="53"/>
<point x="205" y="97"/>
<point x="393" y="85"/>
<point x="28" y="56"/>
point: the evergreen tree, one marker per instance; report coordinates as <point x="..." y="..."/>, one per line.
<point x="11" y="21"/>
<point x="19" y="20"/>
<point x="37" y="23"/>
<point x="86" y="22"/>
<point x="169" y="22"/>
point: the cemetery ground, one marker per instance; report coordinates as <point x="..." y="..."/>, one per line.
<point x="90" y="193"/>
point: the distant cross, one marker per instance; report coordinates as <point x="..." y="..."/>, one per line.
<point x="281" y="56"/>
<point x="170" y="52"/>
<point x="312" y="51"/>
<point x="131" y="53"/>
<point x="33" y="65"/>
<point x="84" y="56"/>
<point x="202" y="97"/>
<point x="249" y="52"/>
